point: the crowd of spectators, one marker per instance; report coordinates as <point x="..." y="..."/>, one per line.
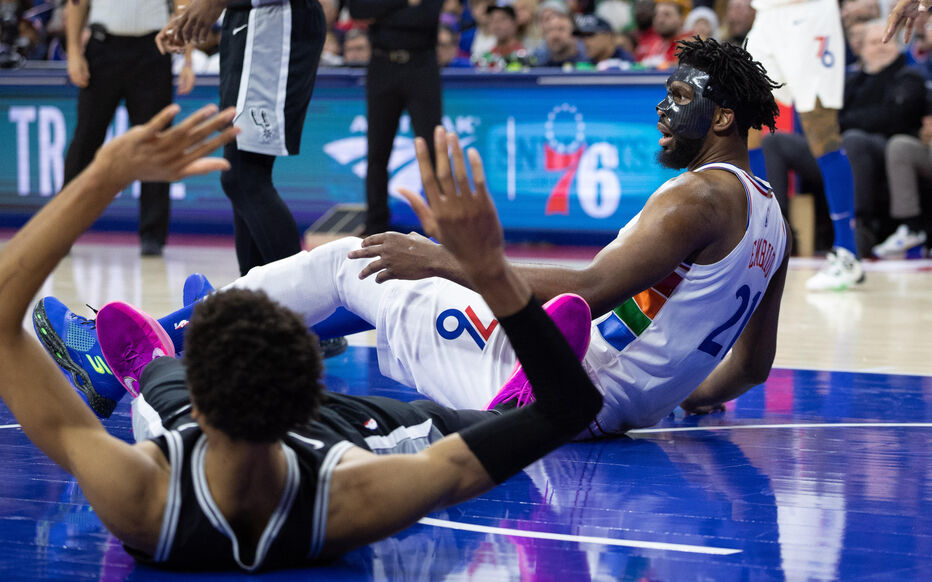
<point x="490" y="34"/>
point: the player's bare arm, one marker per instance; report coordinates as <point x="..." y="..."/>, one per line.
<point x="679" y="221"/>
<point x="114" y="475"/>
<point x="749" y="361"/>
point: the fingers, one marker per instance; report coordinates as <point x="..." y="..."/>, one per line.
<point x="372" y="268"/>
<point x="372" y="240"/>
<point x="459" y="166"/>
<point x="441" y="153"/>
<point x="161" y="119"/>
<point x="431" y="188"/>
<point x="205" y="166"/>
<point x="423" y="212"/>
<point x="478" y="173"/>
<point x="908" y="32"/>
<point x="218" y="141"/>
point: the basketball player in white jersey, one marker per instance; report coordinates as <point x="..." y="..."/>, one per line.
<point x="686" y="299"/>
<point x="801" y="45"/>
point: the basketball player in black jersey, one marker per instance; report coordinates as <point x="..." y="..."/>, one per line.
<point x="255" y="486"/>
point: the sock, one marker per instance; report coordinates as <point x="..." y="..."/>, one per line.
<point x="758" y="167"/>
<point x="342" y="322"/>
<point x="175" y="323"/>
<point x="838" y="183"/>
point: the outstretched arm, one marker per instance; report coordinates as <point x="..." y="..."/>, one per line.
<point x="400" y="489"/>
<point x="642" y="255"/>
<point x="48" y="409"/>
<point x="749" y="361"/>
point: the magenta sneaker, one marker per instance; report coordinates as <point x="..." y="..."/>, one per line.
<point x="574" y="320"/>
<point x="129" y="339"/>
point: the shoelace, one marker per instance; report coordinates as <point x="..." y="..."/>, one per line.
<point x="135" y="360"/>
<point x="90" y="321"/>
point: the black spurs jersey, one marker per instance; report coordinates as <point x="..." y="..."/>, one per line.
<point x="196" y="536"/>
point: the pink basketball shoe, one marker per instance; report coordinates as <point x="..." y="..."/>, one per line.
<point x="129" y="339"/>
<point x="574" y="320"/>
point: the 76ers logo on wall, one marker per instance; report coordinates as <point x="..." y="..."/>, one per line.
<point x="562" y="152"/>
<point x="592" y="167"/>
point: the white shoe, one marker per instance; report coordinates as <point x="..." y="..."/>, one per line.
<point x="899" y="242"/>
<point x="842" y="270"/>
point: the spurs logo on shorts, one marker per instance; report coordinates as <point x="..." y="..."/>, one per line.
<point x="262" y="120"/>
<point x="465" y="321"/>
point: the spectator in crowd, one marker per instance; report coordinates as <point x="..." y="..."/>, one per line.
<point x="919" y="51"/>
<point x="448" y="50"/>
<point x="884" y="99"/>
<point x="668" y="24"/>
<point x="909" y="173"/>
<point x="618" y="13"/>
<point x="332" y="55"/>
<point x="702" y="21"/>
<point x="560" y="46"/>
<point x="528" y="26"/>
<point x="853" y="22"/>
<point x="859" y="11"/>
<point x="789" y="152"/>
<point x="503" y="25"/>
<point x="356" y="48"/>
<point x="739" y="18"/>
<point x="482" y="38"/>
<point x="549" y="8"/>
<point x="599" y="39"/>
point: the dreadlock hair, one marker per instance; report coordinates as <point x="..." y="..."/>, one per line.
<point x="736" y="81"/>
<point x="253" y="368"/>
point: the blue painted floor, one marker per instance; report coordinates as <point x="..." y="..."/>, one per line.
<point x="814" y="476"/>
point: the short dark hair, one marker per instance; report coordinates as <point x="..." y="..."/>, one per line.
<point x="253" y="367"/>
<point x="736" y="81"/>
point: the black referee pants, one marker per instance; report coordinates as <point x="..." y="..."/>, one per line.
<point x="390" y="89"/>
<point x="131" y="69"/>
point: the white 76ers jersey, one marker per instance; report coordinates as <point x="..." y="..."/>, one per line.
<point x="649" y="353"/>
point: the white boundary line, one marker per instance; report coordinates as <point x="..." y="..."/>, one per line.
<point x="9" y="426"/>
<point x="580" y="539"/>
<point x="785" y="426"/>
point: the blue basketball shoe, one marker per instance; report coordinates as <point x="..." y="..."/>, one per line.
<point x="71" y="340"/>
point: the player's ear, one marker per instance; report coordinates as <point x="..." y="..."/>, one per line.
<point x="723" y="120"/>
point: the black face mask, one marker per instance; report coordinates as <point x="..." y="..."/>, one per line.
<point x="692" y="120"/>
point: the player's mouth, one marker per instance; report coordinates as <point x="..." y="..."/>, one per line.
<point x="667" y="138"/>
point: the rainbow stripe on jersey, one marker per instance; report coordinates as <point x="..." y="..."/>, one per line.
<point x="629" y="320"/>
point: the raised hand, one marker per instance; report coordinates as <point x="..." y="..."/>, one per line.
<point x="904" y="14"/>
<point x="464" y="220"/>
<point x="461" y="217"/>
<point x="192" y="24"/>
<point x="155" y="152"/>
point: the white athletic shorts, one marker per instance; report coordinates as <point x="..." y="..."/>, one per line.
<point x="802" y="45"/>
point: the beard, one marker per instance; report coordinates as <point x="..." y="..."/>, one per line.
<point x="681" y="153"/>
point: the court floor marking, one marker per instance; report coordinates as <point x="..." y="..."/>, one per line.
<point x="542" y="535"/>
<point x="785" y="426"/>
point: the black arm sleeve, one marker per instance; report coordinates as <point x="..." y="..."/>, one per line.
<point x="566" y="399"/>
